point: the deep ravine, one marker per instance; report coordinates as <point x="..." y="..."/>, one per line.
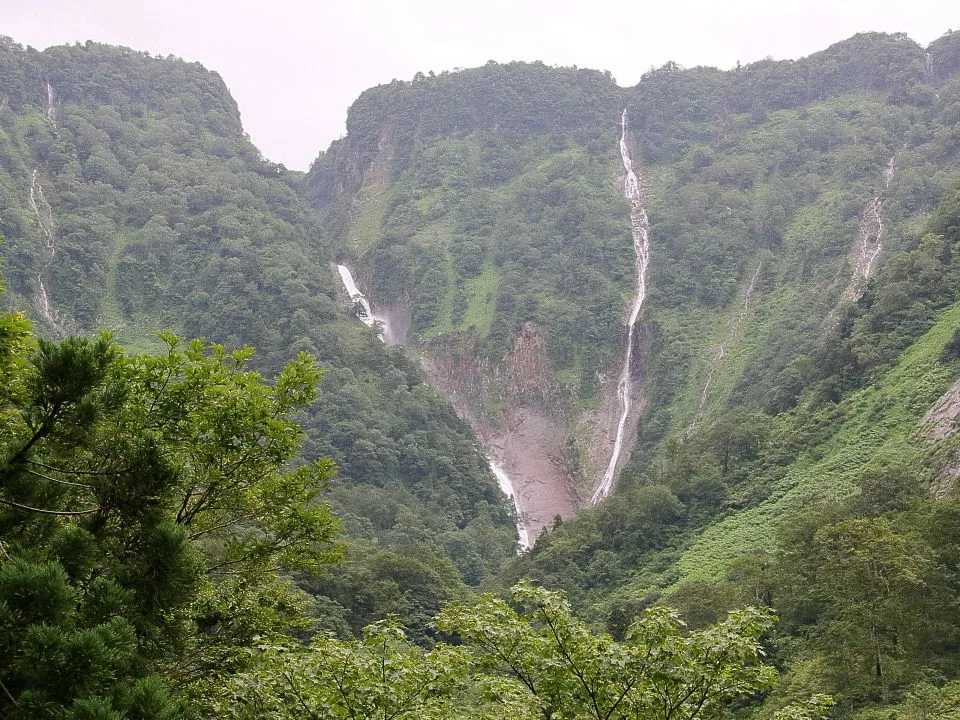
<point x="640" y="227"/>
<point x="366" y="315"/>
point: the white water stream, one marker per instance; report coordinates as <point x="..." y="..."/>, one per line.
<point x="506" y="486"/>
<point x="51" y="110"/>
<point x="365" y="313"/>
<point x="869" y="236"/>
<point x="640" y="227"/>
<point x="370" y="320"/>
<point x="872" y="219"/>
<point x="43" y="211"/>
<point x="45" y="302"/>
<point x="722" y="351"/>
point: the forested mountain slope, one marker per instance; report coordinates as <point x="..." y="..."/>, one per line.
<point x="131" y="200"/>
<point x="486" y="205"/>
<point x="790" y="441"/>
<point x="798" y="325"/>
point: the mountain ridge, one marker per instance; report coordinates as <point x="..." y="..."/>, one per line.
<point x="800" y="320"/>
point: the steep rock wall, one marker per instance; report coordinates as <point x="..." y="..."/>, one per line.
<point x="514" y="409"/>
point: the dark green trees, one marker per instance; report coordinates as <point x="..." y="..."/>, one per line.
<point x="139" y="497"/>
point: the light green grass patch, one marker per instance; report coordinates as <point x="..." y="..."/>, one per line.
<point x="482" y="304"/>
<point x="878" y="421"/>
<point x="366" y="221"/>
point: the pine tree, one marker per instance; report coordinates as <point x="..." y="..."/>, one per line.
<point x="139" y="496"/>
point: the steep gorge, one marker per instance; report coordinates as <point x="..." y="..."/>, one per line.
<point x="526" y="437"/>
<point x="550" y="456"/>
<point x="488" y="219"/>
<point x="131" y="200"/>
<point x="496" y="219"/>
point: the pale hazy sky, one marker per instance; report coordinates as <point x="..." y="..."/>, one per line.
<point x="294" y="66"/>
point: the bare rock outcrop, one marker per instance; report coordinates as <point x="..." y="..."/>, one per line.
<point x="512" y="407"/>
<point x="939" y="423"/>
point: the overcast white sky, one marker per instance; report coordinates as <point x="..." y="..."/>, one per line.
<point x="294" y="66"/>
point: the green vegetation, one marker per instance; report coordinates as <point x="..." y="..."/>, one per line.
<point x="151" y="520"/>
<point x="141" y="497"/>
<point x="504" y="210"/>
<point x="168" y="539"/>
<point x="164" y="216"/>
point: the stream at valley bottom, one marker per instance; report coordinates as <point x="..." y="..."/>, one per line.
<point x="369" y="319"/>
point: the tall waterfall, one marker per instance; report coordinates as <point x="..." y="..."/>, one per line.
<point x="41" y="208"/>
<point x="869" y="243"/>
<point x="51" y="108"/>
<point x="640" y="226"/>
<point x="44" y="213"/>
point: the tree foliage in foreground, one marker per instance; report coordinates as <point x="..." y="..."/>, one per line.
<point x="146" y="509"/>
<point x="525" y="659"/>
<point x="148" y="513"/>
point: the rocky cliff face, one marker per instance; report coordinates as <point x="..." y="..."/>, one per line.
<point x="513" y="408"/>
<point x="489" y="202"/>
<point x="553" y="454"/>
<point x="938" y="427"/>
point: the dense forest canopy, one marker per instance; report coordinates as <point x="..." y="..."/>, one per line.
<point x="310" y="529"/>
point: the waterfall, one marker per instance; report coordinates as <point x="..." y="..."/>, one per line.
<point x="702" y="407"/>
<point x="640" y="228"/>
<point x="358" y="298"/>
<point x="722" y="352"/>
<point x="869" y="235"/>
<point x="506" y="486"/>
<point x="365" y="313"/>
<point x="45" y="301"/>
<point x="51" y="111"/>
<point x="872" y="220"/>
<point x="41" y="208"/>
<point x="890" y="169"/>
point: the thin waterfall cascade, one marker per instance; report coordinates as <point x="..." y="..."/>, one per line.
<point x="44" y="213"/>
<point x="749" y="294"/>
<point x="640" y="228"/>
<point x="890" y="169"/>
<point x="869" y="243"/>
<point x="41" y="208"/>
<point x="867" y="248"/>
<point x="721" y="352"/>
<point x="45" y="301"/>
<point x="702" y="407"/>
<point x="45" y="306"/>
<point x="51" y="108"/>
<point x="506" y="486"/>
<point x="873" y="227"/>
<point x="364" y="312"/>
